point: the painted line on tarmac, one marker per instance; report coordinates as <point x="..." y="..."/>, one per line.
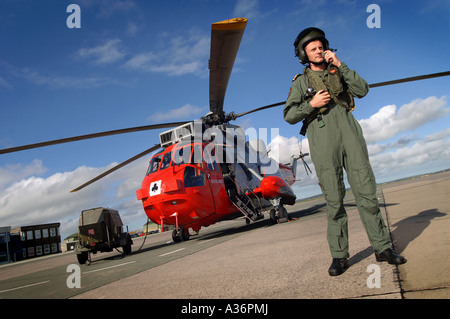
<point x="172" y="252"/>
<point x="119" y="265"/>
<point x="26" y="286"/>
<point x="204" y="241"/>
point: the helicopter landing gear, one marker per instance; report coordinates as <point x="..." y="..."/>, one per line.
<point x="278" y="214"/>
<point x="180" y="234"/>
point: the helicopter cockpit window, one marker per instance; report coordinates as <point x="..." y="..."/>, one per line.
<point x="154" y="164"/>
<point x="182" y="155"/>
<point x="166" y="160"/>
<point x="193" y="176"/>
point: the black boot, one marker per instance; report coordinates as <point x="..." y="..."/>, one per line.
<point x="338" y="266"/>
<point x="391" y="257"/>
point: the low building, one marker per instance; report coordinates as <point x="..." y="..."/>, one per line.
<point x="150" y="227"/>
<point x="5" y="246"/>
<point x="69" y="242"/>
<point x="38" y="240"/>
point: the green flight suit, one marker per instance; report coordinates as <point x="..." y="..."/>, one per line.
<point x="336" y="143"/>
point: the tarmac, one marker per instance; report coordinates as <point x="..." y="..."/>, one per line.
<point x="291" y="260"/>
<point x="419" y="221"/>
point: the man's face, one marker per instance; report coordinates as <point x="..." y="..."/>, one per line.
<point x="314" y="50"/>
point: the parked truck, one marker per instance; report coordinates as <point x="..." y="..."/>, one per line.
<point x="100" y="230"/>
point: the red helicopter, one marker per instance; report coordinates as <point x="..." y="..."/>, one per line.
<point x="196" y="181"/>
<point x="205" y="171"/>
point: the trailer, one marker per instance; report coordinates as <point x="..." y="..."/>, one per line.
<point x="100" y="230"/>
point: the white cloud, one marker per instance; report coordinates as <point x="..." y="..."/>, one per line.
<point x="250" y="9"/>
<point x="55" y="81"/>
<point x="407" y="155"/>
<point x="246" y="8"/>
<point x="141" y="61"/>
<point x="118" y="6"/>
<point x="107" y="8"/>
<point x="108" y="52"/>
<point x="186" y="54"/>
<point x="437" y="136"/>
<point x="186" y="112"/>
<point x="282" y="149"/>
<point x="4" y="83"/>
<point x="35" y="200"/>
<point x="388" y="122"/>
<point x="13" y="172"/>
<point x="375" y="149"/>
<point x="133" y="28"/>
<point x="429" y="154"/>
<point x="402" y="158"/>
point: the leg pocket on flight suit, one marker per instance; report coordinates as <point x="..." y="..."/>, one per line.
<point x="364" y="179"/>
<point x="331" y="185"/>
<point x="325" y="182"/>
<point x="337" y="241"/>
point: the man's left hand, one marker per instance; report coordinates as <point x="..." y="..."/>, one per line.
<point x="332" y="58"/>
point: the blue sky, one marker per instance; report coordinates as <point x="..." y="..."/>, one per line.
<point x="136" y="62"/>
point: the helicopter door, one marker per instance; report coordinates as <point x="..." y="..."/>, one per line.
<point x="215" y="179"/>
<point x="197" y="184"/>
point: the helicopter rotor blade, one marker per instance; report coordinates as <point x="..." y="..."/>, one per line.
<point x="260" y="109"/>
<point x="89" y="136"/>
<point x="115" y="168"/>
<point x="225" y="40"/>
<point x="410" y="79"/>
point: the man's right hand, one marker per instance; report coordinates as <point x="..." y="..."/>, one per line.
<point x="321" y="98"/>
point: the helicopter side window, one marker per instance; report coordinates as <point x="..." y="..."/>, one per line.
<point x="193" y="177"/>
<point x="211" y="159"/>
<point x="197" y="156"/>
<point x="154" y="164"/>
<point x="166" y="160"/>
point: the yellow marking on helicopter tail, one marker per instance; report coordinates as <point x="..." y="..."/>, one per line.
<point x="230" y="24"/>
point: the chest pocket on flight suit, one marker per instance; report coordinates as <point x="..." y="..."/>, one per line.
<point x="333" y="84"/>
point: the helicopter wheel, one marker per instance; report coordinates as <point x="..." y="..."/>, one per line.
<point x="279" y="215"/>
<point x="180" y="235"/>
<point x="273" y="216"/>
<point x="283" y="216"/>
<point x="175" y="236"/>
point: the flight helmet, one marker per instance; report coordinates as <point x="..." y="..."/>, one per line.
<point x="306" y="36"/>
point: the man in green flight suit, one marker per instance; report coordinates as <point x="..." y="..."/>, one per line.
<point x="323" y="98"/>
